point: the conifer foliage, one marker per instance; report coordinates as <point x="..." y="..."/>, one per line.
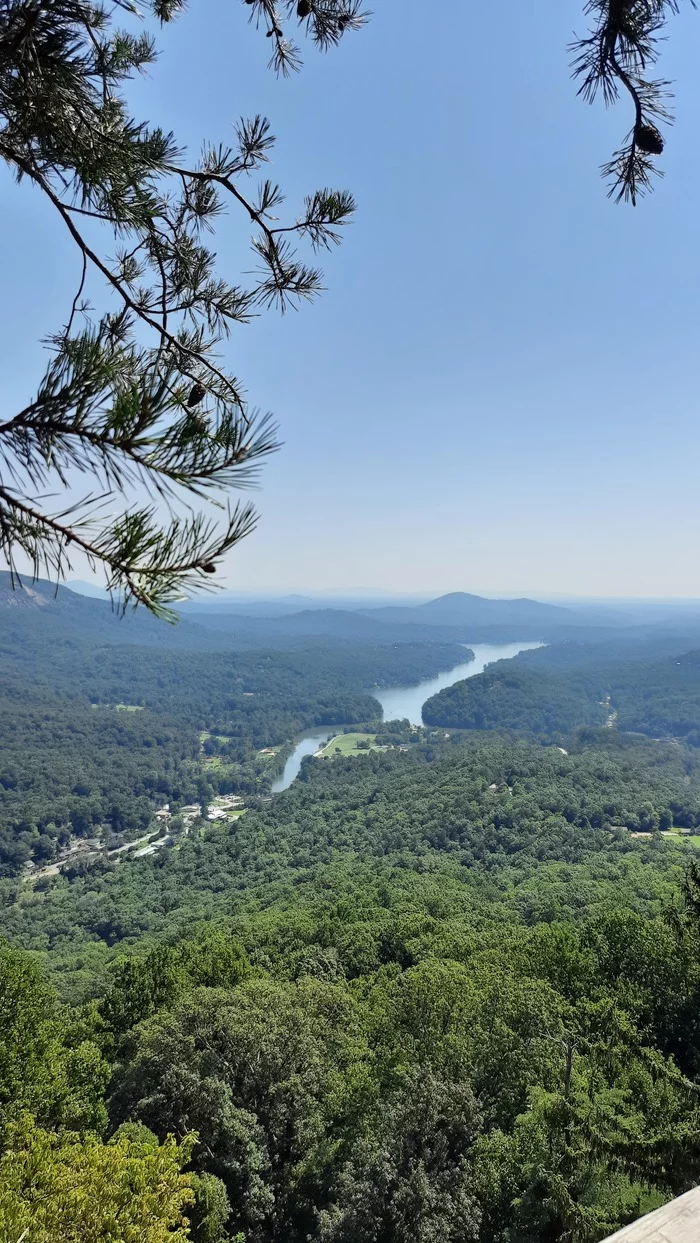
<point x="619" y="54"/>
<point x="135" y="392"/>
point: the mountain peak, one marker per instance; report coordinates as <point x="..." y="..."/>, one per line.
<point x="461" y="607"/>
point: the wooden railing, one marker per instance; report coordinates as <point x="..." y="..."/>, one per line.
<point x="676" y="1222"/>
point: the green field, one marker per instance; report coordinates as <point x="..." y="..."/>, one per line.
<point x="120" y="707"/>
<point x="346" y="744"/>
<point x="693" y="839"/>
<point x="213" y="761"/>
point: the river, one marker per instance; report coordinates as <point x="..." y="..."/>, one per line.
<point x="399" y="702"/>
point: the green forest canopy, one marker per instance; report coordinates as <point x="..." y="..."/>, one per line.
<point x="445" y="991"/>
<point x="429" y="993"/>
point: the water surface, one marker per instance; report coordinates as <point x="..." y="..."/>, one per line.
<point x="307" y="744"/>
<point x="407" y="701"/>
<point x="401" y="701"/>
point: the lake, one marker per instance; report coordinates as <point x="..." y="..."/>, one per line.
<point x="306" y="745"/>
<point x="399" y="702"/>
<point x="407" y="701"/>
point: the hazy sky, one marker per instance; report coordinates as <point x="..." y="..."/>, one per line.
<point x="499" y="389"/>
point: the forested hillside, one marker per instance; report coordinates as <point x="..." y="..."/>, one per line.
<point x="442" y="990"/>
<point x="425" y="994"/>
<point x="306" y="934"/>
<point x="497" y="806"/>
<point x="551" y="690"/>
<point x="517" y="698"/>
<point x="95" y="737"/>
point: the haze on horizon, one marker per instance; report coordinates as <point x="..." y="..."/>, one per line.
<point x="227" y="594"/>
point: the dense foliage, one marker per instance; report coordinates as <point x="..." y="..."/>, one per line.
<point x="496" y="808"/>
<point x="76" y="1188"/>
<point x="94" y="737"/>
<point x="441" y="991"/>
<point x="511" y="698"/>
<point x="434" y="998"/>
<point x="553" y="690"/>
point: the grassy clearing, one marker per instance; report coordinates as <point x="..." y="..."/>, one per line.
<point x="346" y="744"/>
<point x="680" y="836"/>
<point x="119" y="707"/>
<point x="213" y="761"/>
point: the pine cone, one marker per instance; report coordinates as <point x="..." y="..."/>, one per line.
<point x="196" y="395"/>
<point x="648" y="139"/>
<point x="210" y="568"/>
<point x="303" y="8"/>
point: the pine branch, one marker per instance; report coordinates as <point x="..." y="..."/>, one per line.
<point x="617" y="54"/>
<point x="149" y="563"/>
<point x="324" y="21"/>
<point x="139" y="398"/>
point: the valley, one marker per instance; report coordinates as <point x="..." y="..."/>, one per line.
<point x="402" y="703"/>
<point x="464" y="929"/>
<point x="349" y="655"/>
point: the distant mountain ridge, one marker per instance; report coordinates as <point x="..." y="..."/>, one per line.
<point x="283" y="606"/>
<point x="457" y="615"/>
<point x="41" y="610"/>
<point x="460" y="608"/>
<point x="38" y="609"/>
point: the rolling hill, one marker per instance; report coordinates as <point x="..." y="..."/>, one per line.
<point x="460" y="608"/>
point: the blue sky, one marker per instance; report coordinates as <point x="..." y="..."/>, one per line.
<point x="499" y="390"/>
